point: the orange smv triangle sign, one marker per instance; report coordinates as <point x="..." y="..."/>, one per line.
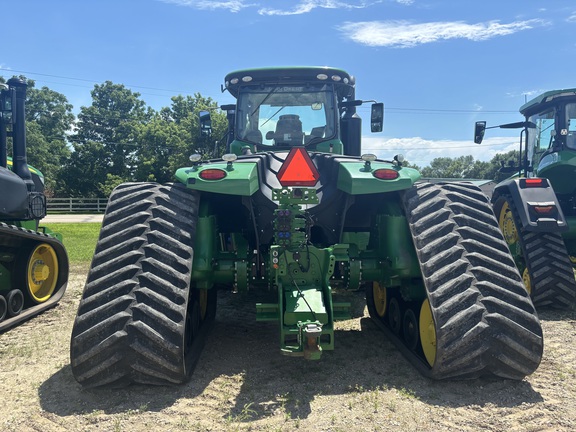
<point x="298" y="169"/>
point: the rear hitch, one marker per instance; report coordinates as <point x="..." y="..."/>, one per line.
<point x="310" y="338"/>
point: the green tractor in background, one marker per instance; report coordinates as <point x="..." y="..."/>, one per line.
<point x="295" y="210"/>
<point x="536" y="205"/>
<point x="33" y="262"/>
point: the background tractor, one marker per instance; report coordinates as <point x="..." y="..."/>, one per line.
<point x="536" y="205"/>
<point x="295" y="210"/>
<point x="33" y="263"/>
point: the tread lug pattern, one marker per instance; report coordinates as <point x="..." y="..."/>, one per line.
<point x="486" y="324"/>
<point x="131" y="321"/>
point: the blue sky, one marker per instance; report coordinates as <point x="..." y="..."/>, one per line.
<point x="438" y="65"/>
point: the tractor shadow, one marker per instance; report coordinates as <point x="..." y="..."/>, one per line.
<point x="241" y="373"/>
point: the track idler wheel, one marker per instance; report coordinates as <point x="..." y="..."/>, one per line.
<point x="379" y="299"/>
<point x="15" y="302"/>
<point x="427" y="331"/>
<point x="41" y="273"/>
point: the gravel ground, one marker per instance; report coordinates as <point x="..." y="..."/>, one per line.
<point x="243" y="383"/>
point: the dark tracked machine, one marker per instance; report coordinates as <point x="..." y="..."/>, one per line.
<point x="33" y="263"/>
<point x="295" y="209"/>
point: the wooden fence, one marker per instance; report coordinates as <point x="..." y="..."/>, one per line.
<point x="76" y="205"/>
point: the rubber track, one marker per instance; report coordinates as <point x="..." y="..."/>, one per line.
<point x="131" y="321"/>
<point x="486" y="324"/>
<point x="551" y="273"/>
<point x="17" y="234"/>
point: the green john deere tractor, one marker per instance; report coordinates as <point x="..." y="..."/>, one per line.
<point x="536" y="205"/>
<point x="33" y="263"/>
<point x="294" y="209"/>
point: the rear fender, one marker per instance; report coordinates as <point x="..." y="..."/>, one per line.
<point x="538" y="207"/>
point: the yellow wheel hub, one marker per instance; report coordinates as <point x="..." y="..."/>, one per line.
<point x="42" y="271"/>
<point x="527" y="281"/>
<point x="507" y="225"/>
<point x="379" y="296"/>
<point x="428" y="332"/>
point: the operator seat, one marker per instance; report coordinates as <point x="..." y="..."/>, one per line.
<point x="288" y="131"/>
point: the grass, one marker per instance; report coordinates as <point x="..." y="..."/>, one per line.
<point x="79" y="239"/>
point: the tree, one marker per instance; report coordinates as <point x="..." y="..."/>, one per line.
<point x="106" y="138"/>
<point x="445" y="167"/>
<point x="48" y="120"/>
<point x="185" y="112"/>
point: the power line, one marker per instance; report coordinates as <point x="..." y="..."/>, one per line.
<point x="89" y="80"/>
<point x="387" y="109"/>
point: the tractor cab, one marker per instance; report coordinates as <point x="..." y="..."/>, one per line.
<point x="280" y="108"/>
<point x="551" y="142"/>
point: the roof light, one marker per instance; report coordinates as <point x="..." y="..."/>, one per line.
<point x="234" y="81"/>
<point x="336" y="78"/>
<point x="229" y="157"/>
<point x="212" y="174"/>
<point x="298" y="169"/>
<point x="322" y="77"/>
<point x="195" y="158"/>
<point x="247" y="78"/>
<point x="345" y="80"/>
<point x="386" y="174"/>
<point x="369" y="157"/>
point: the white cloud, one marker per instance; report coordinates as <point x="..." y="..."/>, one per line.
<point x="306" y="6"/>
<point x="232" y="5"/>
<point x="405" y="34"/>
<point x="421" y="151"/>
<point x="572" y="18"/>
<point x="301" y="7"/>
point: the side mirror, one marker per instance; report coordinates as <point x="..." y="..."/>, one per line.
<point x="479" y="130"/>
<point x="205" y="124"/>
<point x="377" y="117"/>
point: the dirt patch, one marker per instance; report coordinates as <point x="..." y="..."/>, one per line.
<point x="242" y="382"/>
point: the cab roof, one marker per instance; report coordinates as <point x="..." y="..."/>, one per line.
<point x="290" y="74"/>
<point x="542" y="100"/>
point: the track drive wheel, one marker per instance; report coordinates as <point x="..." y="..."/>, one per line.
<point x="541" y="257"/>
<point x="139" y="319"/>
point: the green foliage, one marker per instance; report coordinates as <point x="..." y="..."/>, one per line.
<point x="48" y="118"/>
<point x="467" y="167"/>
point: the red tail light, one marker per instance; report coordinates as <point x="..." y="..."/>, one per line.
<point x="386" y="174"/>
<point x="534" y="182"/>
<point x="544" y="210"/>
<point x="212" y="174"/>
<point x="298" y="169"/>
